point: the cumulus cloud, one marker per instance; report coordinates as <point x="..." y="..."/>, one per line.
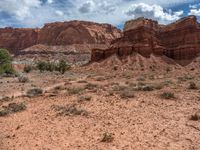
<point x="195" y="12"/>
<point x="86" y="7"/>
<point x="19" y="8"/>
<point x="59" y="13"/>
<point x="34" y="13"/>
<point x="155" y="12"/>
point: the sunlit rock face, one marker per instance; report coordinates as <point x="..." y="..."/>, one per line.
<point x="179" y="41"/>
<point x="58" y="33"/>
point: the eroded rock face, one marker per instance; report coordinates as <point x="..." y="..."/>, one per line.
<point x="59" y="33"/>
<point x="16" y="39"/>
<point x="77" y="32"/>
<point x="179" y="41"/>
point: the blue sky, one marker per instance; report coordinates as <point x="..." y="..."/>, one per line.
<point x="34" y="13"/>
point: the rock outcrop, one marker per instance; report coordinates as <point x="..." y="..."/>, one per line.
<point x="58" y="33"/>
<point x="16" y="39"/>
<point x="179" y="41"/>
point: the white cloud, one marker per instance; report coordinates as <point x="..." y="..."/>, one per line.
<point x="59" y="13"/>
<point x="50" y="1"/>
<point x="34" y="13"/>
<point x="195" y="12"/>
<point x="86" y="7"/>
<point x="155" y="12"/>
<point x="19" y="8"/>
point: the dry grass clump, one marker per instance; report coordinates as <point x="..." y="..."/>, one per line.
<point x="69" y="110"/>
<point x="84" y="98"/>
<point x="107" y="137"/>
<point x="91" y="86"/>
<point x="127" y="94"/>
<point x="23" y="79"/>
<point x="34" y="92"/>
<point x="75" y="90"/>
<point x="12" y="108"/>
<point x="167" y="95"/>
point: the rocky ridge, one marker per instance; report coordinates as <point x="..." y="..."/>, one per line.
<point x="58" y="34"/>
<point x="179" y="41"/>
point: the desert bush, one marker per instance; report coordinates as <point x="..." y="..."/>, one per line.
<point x="107" y="137"/>
<point x="69" y="110"/>
<point x="6" y="62"/>
<point x="63" y="67"/>
<point x="41" y="66"/>
<point x="74" y="90"/>
<point x="84" y="98"/>
<point x="34" y="92"/>
<point x="12" y="108"/>
<point x="91" y="86"/>
<point x="28" y="68"/>
<point x="192" y="86"/>
<point x="127" y="94"/>
<point x="23" y="79"/>
<point x="167" y="95"/>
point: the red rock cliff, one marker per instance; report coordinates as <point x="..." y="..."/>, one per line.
<point x="59" y="33"/>
<point x="16" y="39"/>
<point x="179" y="40"/>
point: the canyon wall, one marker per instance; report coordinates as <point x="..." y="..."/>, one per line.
<point x="58" y="33"/>
<point x="179" y="41"/>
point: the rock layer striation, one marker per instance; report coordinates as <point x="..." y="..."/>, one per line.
<point x="179" y="40"/>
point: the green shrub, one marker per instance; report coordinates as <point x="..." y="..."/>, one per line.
<point x="28" y="69"/>
<point x="41" y="66"/>
<point x="63" y="67"/>
<point x="5" y="62"/>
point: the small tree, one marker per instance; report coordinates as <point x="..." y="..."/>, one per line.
<point x="5" y="62"/>
<point x="63" y="67"/>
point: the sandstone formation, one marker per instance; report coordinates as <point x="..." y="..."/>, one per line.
<point x="58" y="33"/>
<point x="179" y="41"/>
<point x="16" y="39"/>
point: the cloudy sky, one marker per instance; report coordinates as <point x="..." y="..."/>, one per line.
<point x="34" y="13"/>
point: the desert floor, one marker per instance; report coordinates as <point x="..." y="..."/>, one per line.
<point x="88" y="109"/>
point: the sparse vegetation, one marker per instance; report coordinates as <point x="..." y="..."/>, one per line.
<point x="107" y="137"/>
<point x="127" y="94"/>
<point x="167" y="95"/>
<point x="28" y="69"/>
<point x="6" y="62"/>
<point x="84" y="98"/>
<point x="23" y="79"/>
<point x="74" y="90"/>
<point x="62" y="66"/>
<point x="34" y="92"/>
<point x="91" y="86"/>
<point x="12" y="108"/>
<point x="69" y="110"/>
